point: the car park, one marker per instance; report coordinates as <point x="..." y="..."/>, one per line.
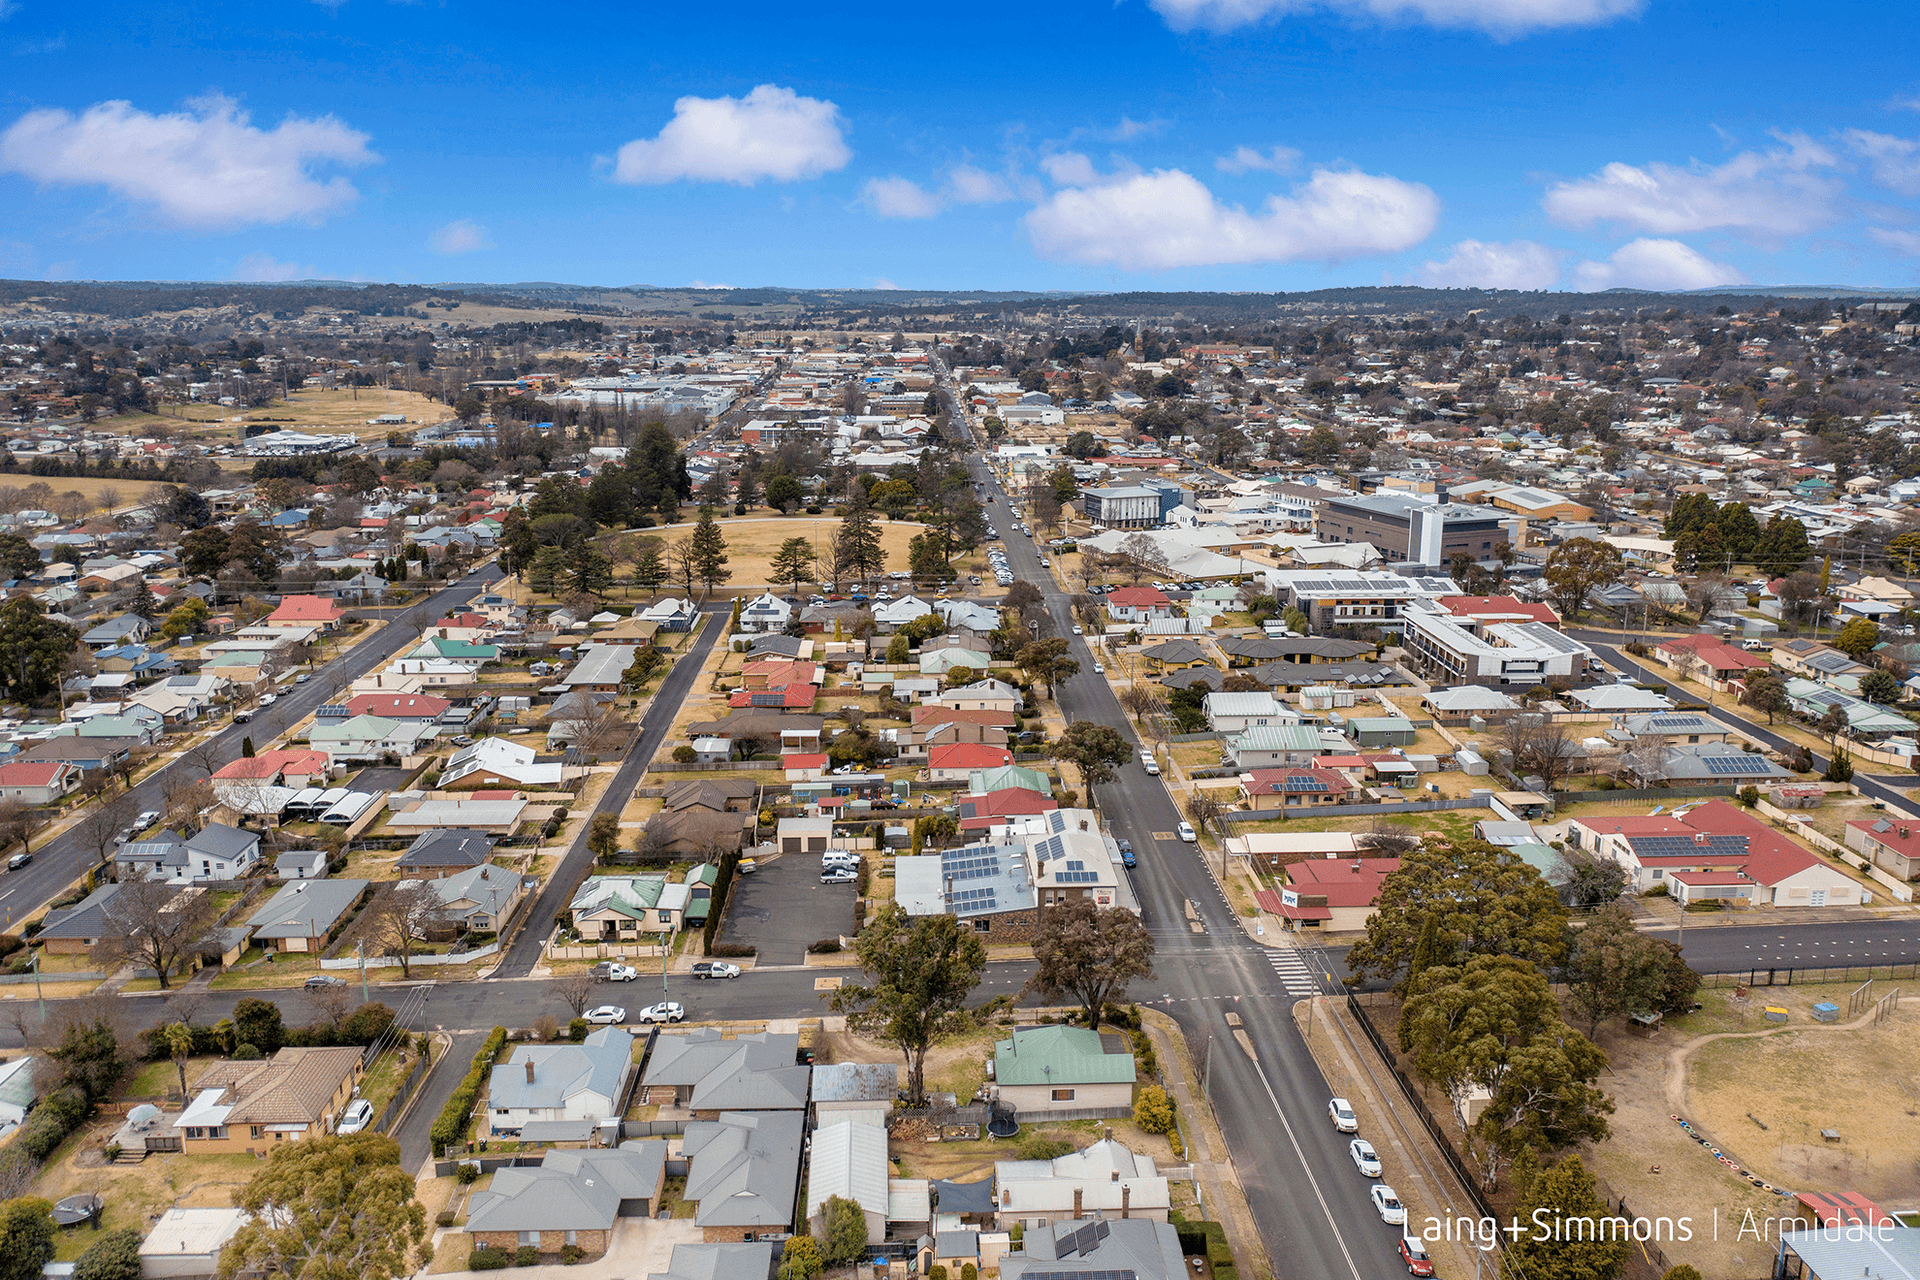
<point x="1414" y="1253"/>
<point x="1365" y="1158"/>
<point x="613" y="971"/>
<point x="716" y="969"/>
<point x="321" y="981"/>
<point x="609" y="1015"/>
<point x="1386" y="1203"/>
<point x="1187" y="833"/>
<point x="357" y="1116"/>
<point x="1342" y="1114"/>
<point x="665" y="1011"/>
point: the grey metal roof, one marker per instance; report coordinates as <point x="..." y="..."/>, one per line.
<point x="222" y="841"/>
<point x="448" y="847"/>
<point x="756" y="1072"/>
<point x="305" y="909"/>
<point x="855" y="1081"/>
<point x="754" y="1261"/>
<point x="561" y="1071"/>
<point x="744" y="1168"/>
<point x="571" y="1191"/>
<point x="1085" y="1247"/>
<point x="964" y="1197"/>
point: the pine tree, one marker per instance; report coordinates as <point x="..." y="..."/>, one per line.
<point x="246" y="747"/>
<point x="710" y="551"/>
<point x="857" y="545"/>
<point x="1563" y="1192"/>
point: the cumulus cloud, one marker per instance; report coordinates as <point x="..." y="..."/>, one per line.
<point x="1763" y="194"/>
<point x="894" y="197"/>
<point x="1477" y="264"/>
<point x="461" y="237"/>
<point x="1895" y="162"/>
<point x="773" y="132"/>
<point x="1168" y="218"/>
<point x="207" y="166"/>
<point x="262" y="267"/>
<point x="1069" y="169"/>
<point x="1907" y="242"/>
<point x="1247" y="159"/>
<point x="1655" y="264"/>
<point x="1499" y="17"/>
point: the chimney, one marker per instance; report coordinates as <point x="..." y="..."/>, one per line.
<point x="1903" y="833"/>
<point x="949" y="893"/>
<point x="1113" y="1175"/>
<point x="1126" y="1195"/>
<point x="1077" y="1193"/>
<point x="1700" y="837"/>
<point x="529" y="1070"/>
<point x="1006" y="1197"/>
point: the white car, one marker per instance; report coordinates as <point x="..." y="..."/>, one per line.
<point x="357" y="1116"/>
<point x="613" y="971"/>
<point x="839" y="875"/>
<point x="1365" y="1159"/>
<point x="1341" y="1112"/>
<point x="608" y="1015"/>
<point x="1187" y="835"/>
<point x="665" y="1011"/>
<point x="1386" y="1203"/>
<point x="268" y="699"/>
<point x="1099" y="670"/>
<point x="1077" y="631"/>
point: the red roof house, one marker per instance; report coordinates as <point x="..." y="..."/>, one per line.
<point x="306" y="611"/>
<point x="954" y="761"/>
<point x="981" y="813"/>
<point x="1493" y="609"/>
<point x="413" y="708"/>
<point x="1337" y="895"/>
<point x="1138" y="604"/>
<point x="1709" y="659"/>
<point x="38" y="781"/>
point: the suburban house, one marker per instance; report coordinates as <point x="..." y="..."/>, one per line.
<point x="1333" y="895"/>
<point x="127" y="628"/>
<point x="1237" y="712"/>
<point x="848" y="1159"/>
<point x="983" y="695"/>
<point x="1298" y="787"/>
<point x="37" y="782"/>
<point x="1105" y="1180"/>
<point x="306" y="611"/>
<point x="1714" y="851"/>
<point x="414" y="708"/>
<point x="298" y="768"/>
<point x="1099" y="1247"/>
<point x="743" y="1169"/>
<point x="1050" y="1070"/>
<point x="367" y="738"/>
<point x="1710" y="660"/>
<point x="84" y="752"/>
<point x="700" y="1072"/>
<point x="1891" y="844"/>
<point x="77" y="929"/>
<point x="765" y="612"/>
<point x="444" y="852"/>
<point x="1276" y="746"/>
<point x="302" y="915"/>
<point x="1138" y="604"/>
<point x="215" y="852"/>
<point x="496" y="763"/>
<point x="721" y="1262"/>
<point x="249" y="1108"/>
<point x="482" y="899"/>
<point x="570" y="1198"/>
<point x="956" y="762"/>
<point x="584" y="1082"/>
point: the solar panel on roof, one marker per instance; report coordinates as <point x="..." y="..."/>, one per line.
<point x="1078" y="877"/>
<point x="1083" y="1239"/>
<point x="1727" y="766"/>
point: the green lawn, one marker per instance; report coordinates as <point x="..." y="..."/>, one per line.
<point x="1454" y="824"/>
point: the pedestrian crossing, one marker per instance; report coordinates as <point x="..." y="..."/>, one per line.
<point x="1293" y="973"/>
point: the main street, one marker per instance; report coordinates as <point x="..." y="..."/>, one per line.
<point x="67" y="856"/>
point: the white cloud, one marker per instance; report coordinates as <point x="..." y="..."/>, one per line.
<point x="968" y="185"/>
<point x="1247" y="159"/>
<point x="1655" y="264"/>
<point x="1129" y="128"/>
<point x="265" y="267"/>
<point x="8" y="8"/>
<point x="1500" y="17"/>
<point x="206" y="166"/>
<point x="1069" y="169"/>
<point x="900" y="198"/>
<point x="1907" y="242"/>
<point x="1895" y="161"/>
<point x="461" y="237"/>
<point x="771" y="133"/>
<point x="1763" y="194"/>
<point x="1477" y="264"/>
<point x="1168" y="218"/>
<point x="883" y="283"/>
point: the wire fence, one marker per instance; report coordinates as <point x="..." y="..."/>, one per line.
<point x="1784" y="976"/>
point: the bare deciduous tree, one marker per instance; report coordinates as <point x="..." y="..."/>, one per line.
<point x="397" y="920"/>
<point x="574" y="990"/>
<point x="100" y="826"/>
<point x="154" y="924"/>
<point x="183" y="800"/>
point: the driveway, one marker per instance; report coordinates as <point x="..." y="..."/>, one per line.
<point x="640" y="1247"/>
<point x="783" y="906"/>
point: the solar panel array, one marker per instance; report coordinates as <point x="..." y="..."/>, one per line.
<point x="1681" y="846"/>
<point x="1305" y="782"/>
<point x="979" y="867"/>
<point x="1077" y="873"/>
<point x="975" y="899"/>
<point x="1050" y="848"/>
<point x="1729" y="766"/>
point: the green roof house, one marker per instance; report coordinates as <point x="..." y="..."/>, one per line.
<point x="1068" y="1073"/>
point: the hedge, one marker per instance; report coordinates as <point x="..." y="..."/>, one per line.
<point x="451" y="1125"/>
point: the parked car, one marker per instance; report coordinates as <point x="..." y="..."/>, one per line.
<point x="613" y="971"/>
<point x="18" y="861"/>
<point x="243" y="717"/>
<point x="1077" y="630"/>
<point x="1187" y="833"/>
<point x="146" y="819"/>
<point x="1414" y="1254"/>
<point x="839" y="875"/>
<point x="1341" y="1112"/>
<point x="1099" y="670"/>
<point x="268" y="699"/>
<point x="665" y="1011"/>
<point x="1386" y="1203"/>
<point x="1148" y="763"/>
<point x="357" y="1116"/>
<point x="716" y="969"/>
<point x="1126" y="853"/>
<point x="747" y="866"/>
<point x="302" y="678"/>
<point x="321" y="981"/>
<point x="1365" y="1158"/>
<point x="610" y="1015"/>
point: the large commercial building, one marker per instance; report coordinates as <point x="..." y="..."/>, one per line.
<point x="1355" y="599"/>
<point x="1412" y="528"/>
<point x="1472" y="650"/>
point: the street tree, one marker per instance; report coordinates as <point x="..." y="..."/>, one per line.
<point x="919" y="974"/>
<point x="1578" y="567"/>
<point x="399" y="918"/>
<point x="102" y="822"/>
<point x="336" y="1208"/>
<point x="793" y="563"/>
<point x="1765" y="692"/>
<point x="1089" y="953"/>
<point x="1483" y="901"/>
<point x="1564" y="1193"/>
<point x="684" y="560"/>
<point x="603" y="835"/>
<point x="575" y="990"/>
<point x="1097" y="750"/>
<point x="155" y="925"/>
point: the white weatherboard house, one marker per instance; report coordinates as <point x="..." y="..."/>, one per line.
<point x="584" y="1081"/>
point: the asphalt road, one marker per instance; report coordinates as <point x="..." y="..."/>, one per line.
<point x="66" y="857"/>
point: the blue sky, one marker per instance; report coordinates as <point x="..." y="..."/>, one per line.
<point x="1149" y="144"/>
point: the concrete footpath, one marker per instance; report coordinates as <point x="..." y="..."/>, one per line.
<point x="1214" y="1176"/>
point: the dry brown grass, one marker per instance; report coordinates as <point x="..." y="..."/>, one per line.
<point x="135" y="1193"/>
<point x="336" y="411"/>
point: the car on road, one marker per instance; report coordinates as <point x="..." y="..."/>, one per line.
<point x="146" y="819"/>
<point x="610" y="1015"/>
<point x="1414" y="1254"/>
<point x="1126" y="853"/>
<point x="1386" y="1203"/>
<point x="613" y="971"/>
<point x="665" y="1011"/>
<point x="18" y="861"/>
<point x="1148" y="763"/>
<point x="357" y="1116"/>
<point x="322" y="981"/>
<point x="716" y="969"/>
<point x="839" y="875"/>
<point x="268" y="699"/>
<point x="302" y="678"/>
<point x="1186" y="833"/>
<point x="1365" y="1158"/>
<point x="243" y="717"/>
<point x="1077" y="631"/>
<point x="1099" y="670"/>
<point x="1340" y="1111"/>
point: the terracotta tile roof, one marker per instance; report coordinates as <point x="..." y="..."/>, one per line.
<point x="292" y="1087"/>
